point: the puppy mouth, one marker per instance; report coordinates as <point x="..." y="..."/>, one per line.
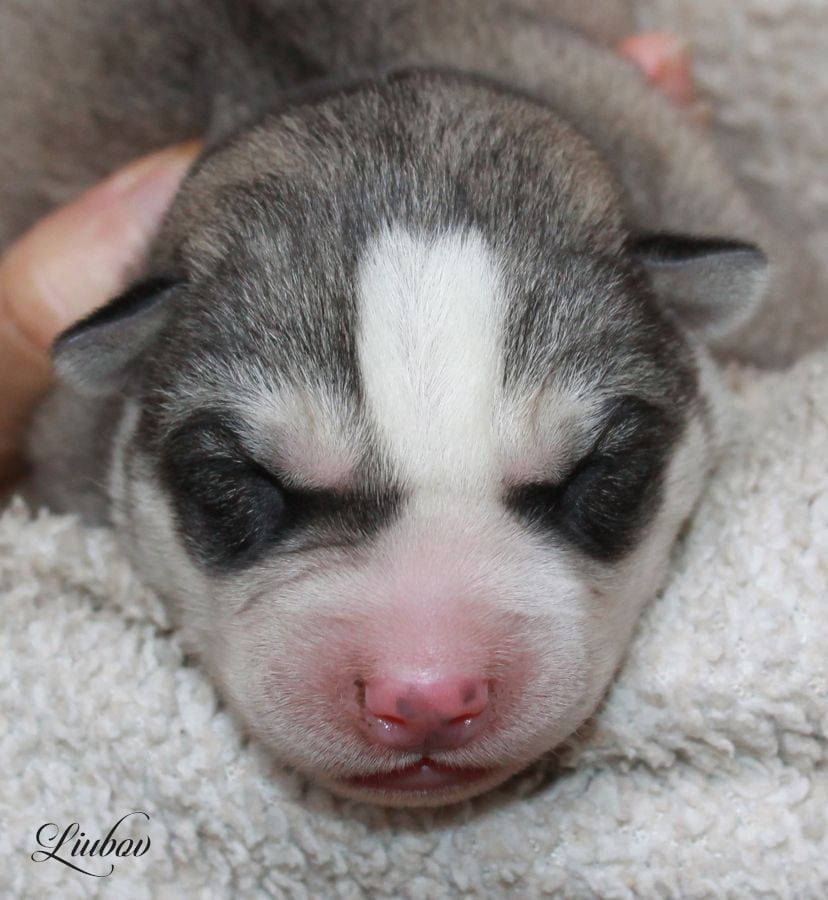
<point x="425" y="776"/>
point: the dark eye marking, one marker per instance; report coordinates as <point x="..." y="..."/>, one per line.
<point x="602" y="506"/>
<point x="231" y="510"/>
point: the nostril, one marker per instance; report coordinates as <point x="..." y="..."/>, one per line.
<point x="391" y="720"/>
<point x="463" y="720"/>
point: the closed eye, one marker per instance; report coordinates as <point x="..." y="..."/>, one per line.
<point x="227" y="506"/>
<point x="602" y="506"/>
<point x="231" y="510"/>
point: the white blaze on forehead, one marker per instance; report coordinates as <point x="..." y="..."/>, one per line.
<point x="429" y="344"/>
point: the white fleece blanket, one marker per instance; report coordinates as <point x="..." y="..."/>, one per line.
<point x="703" y="776"/>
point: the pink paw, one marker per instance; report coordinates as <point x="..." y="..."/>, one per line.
<point x="665" y="62"/>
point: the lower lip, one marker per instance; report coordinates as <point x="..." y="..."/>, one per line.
<point x="426" y="775"/>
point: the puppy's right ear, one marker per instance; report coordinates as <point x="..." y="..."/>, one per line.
<point x="98" y="354"/>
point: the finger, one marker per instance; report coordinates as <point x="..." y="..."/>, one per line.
<point x="69" y="263"/>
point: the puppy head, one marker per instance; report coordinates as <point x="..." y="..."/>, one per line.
<point x="410" y="425"/>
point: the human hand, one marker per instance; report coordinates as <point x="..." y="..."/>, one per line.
<point x="68" y="264"/>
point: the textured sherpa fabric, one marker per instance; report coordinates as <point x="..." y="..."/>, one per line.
<point x="704" y="774"/>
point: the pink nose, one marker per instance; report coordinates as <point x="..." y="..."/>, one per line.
<point x="440" y="714"/>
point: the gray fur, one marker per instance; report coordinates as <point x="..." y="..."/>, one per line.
<point x="335" y="129"/>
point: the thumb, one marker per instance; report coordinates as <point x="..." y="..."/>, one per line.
<point x="69" y="263"/>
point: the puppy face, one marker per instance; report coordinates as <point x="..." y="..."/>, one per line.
<point x="408" y="434"/>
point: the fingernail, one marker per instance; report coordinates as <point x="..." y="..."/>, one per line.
<point x="149" y="184"/>
<point x="176" y="159"/>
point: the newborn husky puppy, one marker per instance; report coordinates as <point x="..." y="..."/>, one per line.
<point x="414" y="392"/>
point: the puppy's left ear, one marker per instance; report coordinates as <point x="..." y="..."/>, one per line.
<point x="713" y="286"/>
